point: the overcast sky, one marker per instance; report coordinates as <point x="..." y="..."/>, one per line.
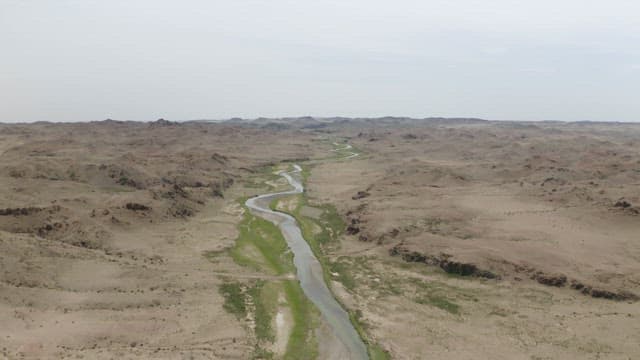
<point x="86" y="60"/>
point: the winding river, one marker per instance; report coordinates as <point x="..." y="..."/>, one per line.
<point x="309" y="270"/>
<point x="346" y="147"/>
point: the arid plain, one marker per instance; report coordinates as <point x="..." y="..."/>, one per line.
<point x="443" y="238"/>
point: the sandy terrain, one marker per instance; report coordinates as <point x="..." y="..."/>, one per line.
<point x="85" y="274"/>
<point x="462" y="239"/>
<point x="533" y="214"/>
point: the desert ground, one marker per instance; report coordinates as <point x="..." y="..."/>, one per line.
<point x="443" y="238"/>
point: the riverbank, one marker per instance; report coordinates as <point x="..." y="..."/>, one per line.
<point x="321" y="226"/>
<point x="309" y="269"/>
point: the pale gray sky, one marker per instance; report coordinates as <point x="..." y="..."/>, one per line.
<point x="64" y="60"/>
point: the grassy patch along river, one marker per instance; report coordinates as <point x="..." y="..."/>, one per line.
<point x="321" y="227"/>
<point x="278" y="314"/>
<point x="262" y="302"/>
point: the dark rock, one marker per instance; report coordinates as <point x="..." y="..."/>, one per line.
<point x="443" y="261"/>
<point x="20" y="211"/>
<point x="182" y="212"/>
<point x="622" y="204"/>
<point x="360" y="195"/>
<point x="605" y="294"/>
<point x="137" y="207"/>
<point x="550" y="280"/>
<point x="352" y="230"/>
<point x="458" y="268"/>
<point x="576" y="285"/>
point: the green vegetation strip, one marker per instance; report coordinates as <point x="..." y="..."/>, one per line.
<point x="234" y="299"/>
<point x="324" y="232"/>
<point x="260" y="294"/>
<point x="261" y="246"/>
<point x="302" y="343"/>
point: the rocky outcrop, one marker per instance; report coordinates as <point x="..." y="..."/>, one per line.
<point x="360" y="195"/>
<point x="352" y="230"/>
<point x="604" y="294"/>
<point x="443" y="261"/>
<point x="413" y="256"/>
<point x="627" y="207"/>
<point x="560" y="280"/>
<point x="465" y="269"/>
<point x="19" y="211"/>
<point x="619" y="296"/>
<point x="622" y="203"/>
<point x="550" y="280"/>
<point x="137" y="207"/>
<point x="354" y="225"/>
<point x="26" y="211"/>
<point x="450" y="266"/>
<point x="181" y="212"/>
<point x="175" y="192"/>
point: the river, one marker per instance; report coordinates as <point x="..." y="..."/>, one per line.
<point x="309" y="271"/>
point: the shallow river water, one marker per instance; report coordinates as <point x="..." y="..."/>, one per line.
<point x="309" y="270"/>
